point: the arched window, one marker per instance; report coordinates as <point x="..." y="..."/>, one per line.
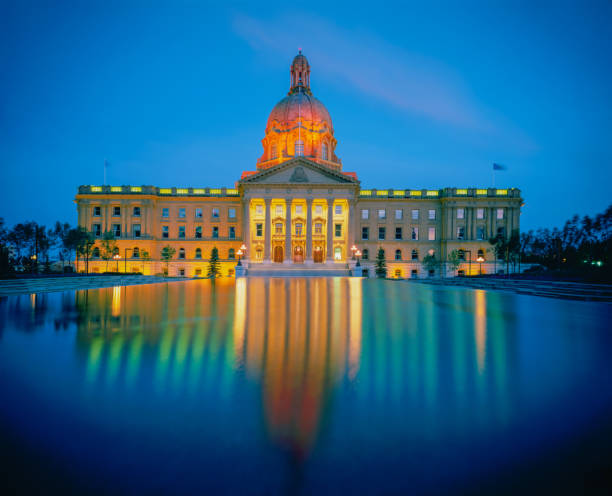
<point x="198" y="253"/>
<point x="231" y="254"/>
<point x="273" y="150"/>
<point x="96" y="252"/>
<point x="299" y="148"/>
<point x="365" y="254"/>
<point x="182" y="253"/>
<point x="481" y="253"/>
<point x="324" y="151"/>
<point x="398" y="254"/>
<point x="398" y="273"/>
<point x="136" y="253"/>
<point x="415" y="255"/>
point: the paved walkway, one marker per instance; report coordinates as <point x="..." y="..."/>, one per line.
<point x="551" y="289"/>
<point x="50" y="284"/>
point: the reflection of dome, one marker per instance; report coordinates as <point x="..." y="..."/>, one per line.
<point x="299" y="125"/>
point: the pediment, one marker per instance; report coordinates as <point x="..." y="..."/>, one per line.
<point x="298" y="171"/>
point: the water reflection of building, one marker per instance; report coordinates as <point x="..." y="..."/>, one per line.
<point x="300" y="338"/>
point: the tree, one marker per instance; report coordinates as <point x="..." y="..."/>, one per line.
<point x="214" y="267"/>
<point x="145" y="258"/>
<point x="166" y="254"/>
<point x="454" y="259"/>
<point x="109" y="245"/>
<point x="85" y="242"/>
<point x="380" y="264"/>
<point x="430" y="262"/>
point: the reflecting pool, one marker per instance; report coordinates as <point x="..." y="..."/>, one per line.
<point x="303" y="386"/>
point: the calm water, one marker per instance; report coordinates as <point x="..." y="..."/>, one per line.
<point x="303" y="386"/>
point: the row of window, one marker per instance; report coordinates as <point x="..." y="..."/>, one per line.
<point x="97" y="211"/>
<point x="480" y="213"/>
<point x="299" y="150"/>
<point x="135" y="253"/>
<point x="399" y="214"/>
<point x="299" y="210"/>
<point x="231" y="232"/>
<point x="182" y="212"/>
<point x="414" y="233"/>
<point x="298" y="229"/>
<point x="480" y="232"/>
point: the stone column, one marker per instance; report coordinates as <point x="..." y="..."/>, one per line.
<point x="309" y="229"/>
<point x="268" y="245"/>
<point x="330" y="230"/>
<point x="246" y="228"/>
<point x="351" y="228"/>
<point x="288" y="230"/>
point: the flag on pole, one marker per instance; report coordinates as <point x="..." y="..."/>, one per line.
<point x="499" y="167"/>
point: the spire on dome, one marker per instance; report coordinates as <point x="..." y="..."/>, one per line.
<point x="300" y="74"/>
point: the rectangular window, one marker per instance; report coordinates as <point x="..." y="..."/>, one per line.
<point x="165" y="232"/>
<point x="181" y="231"/>
<point x="480" y="233"/>
<point x="116" y="211"/>
<point x="480" y="213"/>
<point x="198" y="232"/>
<point x="338" y="230"/>
<point x="136" y="230"/>
<point x="398" y="233"/>
<point x="182" y="213"/>
<point x="318" y="228"/>
<point x="338" y="209"/>
<point x="431" y="214"/>
<point x="382" y="213"/>
<point x="414" y="234"/>
<point x="231" y="213"/>
<point x="415" y="215"/>
<point x="278" y="210"/>
<point x="318" y="209"/>
<point x="232" y="232"/>
<point x="365" y="233"/>
<point x="136" y="212"/>
<point x="365" y="214"/>
<point x="500" y="213"/>
<point x="298" y="210"/>
<point x="215" y="232"/>
<point x="298" y="229"/>
<point x="460" y="232"/>
<point x="258" y="209"/>
<point x="198" y="213"/>
<point x="259" y="230"/>
<point x="399" y="214"/>
<point x="278" y="228"/>
<point x="165" y="212"/>
<point x="431" y="234"/>
<point x="97" y="230"/>
<point x="117" y="230"/>
<point x="215" y="213"/>
<point x="381" y="232"/>
<point x="460" y="213"/>
<point x="97" y="211"/>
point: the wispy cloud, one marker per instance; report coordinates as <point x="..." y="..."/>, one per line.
<point x="370" y="65"/>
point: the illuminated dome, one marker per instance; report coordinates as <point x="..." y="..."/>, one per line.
<point x="299" y="125"/>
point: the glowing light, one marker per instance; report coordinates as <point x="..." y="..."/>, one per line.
<point x="481" y="191"/>
<point x="365" y="192"/>
<point x="382" y="192"/>
<point x="96" y="189"/>
<point x="165" y="191"/>
<point x="198" y="191"/>
<point x="462" y="191"/>
<point x="116" y="189"/>
<point x="116" y="303"/>
<point x="136" y="189"/>
<point x="215" y="191"/>
<point x="182" y="191"/>
<point x="398" y="192"/>
<point x="481" y="329"/>
<point x="432" y="193"/>
<point x="415" y="192"/>
<point x="232" y="191"/>
<point x="502" y="192"/>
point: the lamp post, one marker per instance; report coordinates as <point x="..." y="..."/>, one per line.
<point x="239" y="255"/>
<point x="354" y="250"/>
<point x="125" y="259"/>
<point x="116" y="256"/>
<point x="480" y="259"/>
<point x="358" y="254"/>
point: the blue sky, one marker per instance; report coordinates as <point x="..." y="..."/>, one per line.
<point x="178" y="94"/>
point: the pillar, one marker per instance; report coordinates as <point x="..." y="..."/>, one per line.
<point x="351" y="227"/>
<point x="309" y="229"/>
<point x="246" y="226"/>
<point x="268" y="232"/>
<point x="330" y="230"/>
<point x="288" y="230"/>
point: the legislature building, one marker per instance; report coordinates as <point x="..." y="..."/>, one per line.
<point x="298" y="212"/>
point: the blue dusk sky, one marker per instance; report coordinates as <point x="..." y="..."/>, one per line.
<point x="178" y="94"/>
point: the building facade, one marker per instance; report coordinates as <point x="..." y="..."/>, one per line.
<point x="298" y="207"/>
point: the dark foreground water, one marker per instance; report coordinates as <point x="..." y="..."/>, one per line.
<point x="304" y="386"/>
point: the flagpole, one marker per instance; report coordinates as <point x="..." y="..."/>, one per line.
<point x="104" y="172"/>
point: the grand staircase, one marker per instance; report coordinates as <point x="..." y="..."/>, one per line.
<point x="297" y="270"/>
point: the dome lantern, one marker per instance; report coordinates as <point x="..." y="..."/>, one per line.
<point x="300" y="74"/>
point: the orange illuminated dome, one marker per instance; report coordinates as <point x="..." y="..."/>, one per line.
<point x="299" y="125"/>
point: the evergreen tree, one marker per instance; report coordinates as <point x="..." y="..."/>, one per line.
<point x="381" y="264"/>
<point x="214" y="267"/>
<point x="454" y="260"/>
<point x="430" y="262"/>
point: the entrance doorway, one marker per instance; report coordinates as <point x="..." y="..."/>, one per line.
<point x="318" y="254"/>
<point x="278" y="254"/>
<point x="298" y="254"/>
